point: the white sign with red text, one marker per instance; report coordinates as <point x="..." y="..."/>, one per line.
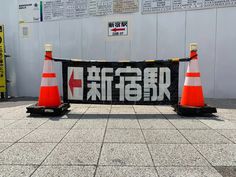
<point x="118" y="28"/>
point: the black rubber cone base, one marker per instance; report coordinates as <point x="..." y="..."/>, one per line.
<point x="36" y="110"/>
<point x="194" y="111"/>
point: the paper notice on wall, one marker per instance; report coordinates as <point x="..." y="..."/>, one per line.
<point x="126" y="6"/>
<point x="69" y="9"/>
<point x="104" y="7"/>
<point x="64" y="9"/>
<point x="29" y="10"/>
<point x="159" y="6"/>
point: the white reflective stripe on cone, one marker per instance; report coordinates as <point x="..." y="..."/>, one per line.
<point x="192" y="81"/>
<point x="49" y="81"/>
<point x="47" y="66"/>
<point x="193" y="66"/>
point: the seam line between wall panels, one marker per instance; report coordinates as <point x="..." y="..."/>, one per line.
<point x="215" y="58"/>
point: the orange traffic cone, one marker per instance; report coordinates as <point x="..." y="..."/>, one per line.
<point x="49" y="102"/>
<point x="192" y="94"/>
<point x="49" y="92"/>
<point x="192" y="101"/>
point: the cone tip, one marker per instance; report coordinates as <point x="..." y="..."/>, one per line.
<point x="48" y="47"/>
<point x="193" y="47"/>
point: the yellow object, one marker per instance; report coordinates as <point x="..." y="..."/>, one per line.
<point x="2" y="61"/>
<point x="175" y="59"/>
<point x="149" y="60"/>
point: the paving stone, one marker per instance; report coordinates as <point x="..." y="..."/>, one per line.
<point x="218" y="154"/>
<point x="155" y="124"/>
<point x="75" y="112"/>
<point x="204" y="137"/>
<point x="141" y="109"/>
<point x="74" y="154"/>
<point x="3" y="146"/>
<point x="58" y="124"/>
<point x="115" y="171"/>
<point x="124" y="135"/>
<point x="188" y="124"/>
<point x="95" y="116"/>
<point x="85" y="135"/>
<point x="121" y="106"/>
<point x="28" y="123"/>
<point x="122" y="116"/>
<point x="230" y="134"/>
<point x="122" y="111"/>
<point x="150" y="116"/>
<point x="101" y="106"/>
<point x="164" y="137"/>
<point x="176" y="155"/>
<point x="64" y="171"/>
<point x="4" y="123"/>
<point x="6" y="110"/>
<point x="125" y="154"/>
<point x="75" y="108"/>
<point x="16" y="170"/>
<point x="45" y="136"/>
<point x="187" y="172"/>
<point x="123" y="123"/>
<point x="227" y="171"/>
<point x="165" y="109"/>
<point x="227" y="116"/>
<point x="26" y="153"/>
<point x="98" y="110"/>
<point x="14" y="113"/>
<point x="220" y="124"/>
<point x="78" y="106"/>
<point x="13" y="135"/>
<point x="91" y="124"/>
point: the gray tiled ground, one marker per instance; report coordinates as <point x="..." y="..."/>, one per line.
<point x="91" y="123"/>
<point x="219" y="154"/>
<point x="125" y="154"/>
<point x="74" y="154"/>
<point x="16" y="170"/>
<point x="187" y="172"/>
<point x="114" y="171"/>
<point x="124" y="136"/>
<point x="117" y="141"/>
<point x="13" y="135"/>
<point x="58" y="124"/>
<point x="85" y="135"/>
<point x="64" y="171"/>
<point x="164" y="137"/>
<point x="188" y="124"/>
<point x="204" y="137"/>
<point x="176" y="155"/>
<point x="44" y="136"/>
<point x="3" y="146"/>
<point x="27" y="123"/>
<point x="123" y="123"/>
<point x="230" y="134"/>
<point x="5" y="123"/>
<point x="226" y="171"/>
<point x="26" y="153"/>
<point x="220" y="124"/>
<point x="152" y="123"/>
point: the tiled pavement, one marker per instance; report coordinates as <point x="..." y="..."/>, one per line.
<point x="117" y="141"/>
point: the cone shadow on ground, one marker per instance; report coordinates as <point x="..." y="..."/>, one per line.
<point x="134" y="116"/>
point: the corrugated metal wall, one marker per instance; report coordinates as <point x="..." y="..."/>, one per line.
<point x="152" y="36"/>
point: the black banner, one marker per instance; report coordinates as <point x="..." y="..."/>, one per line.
<point x="154" y="82"/>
